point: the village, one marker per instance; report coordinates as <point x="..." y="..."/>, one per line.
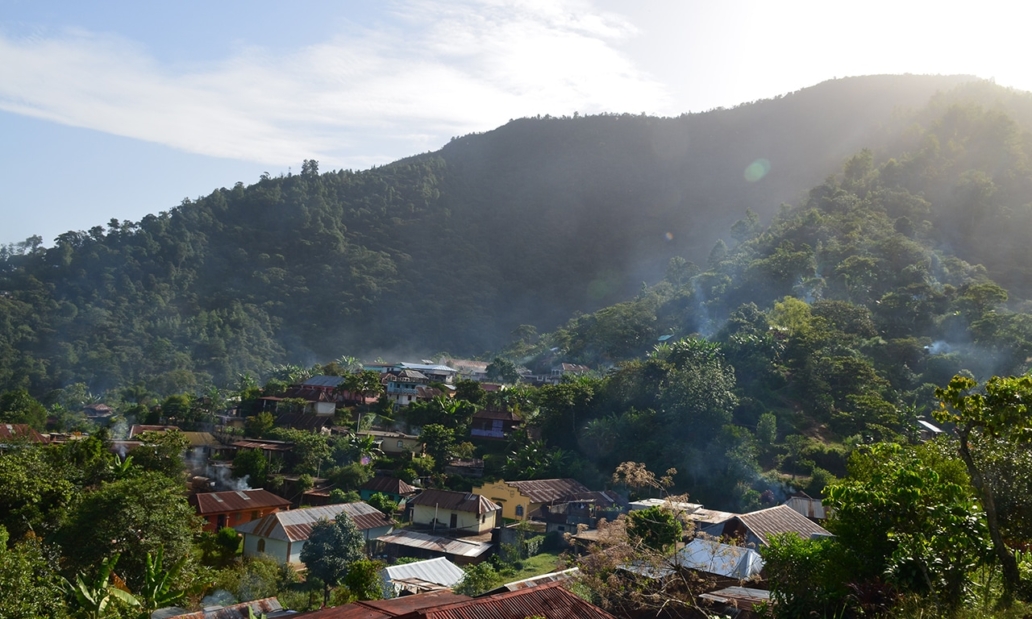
<point x="430" y="522"/>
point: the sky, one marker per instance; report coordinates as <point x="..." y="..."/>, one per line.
<point x="119" y="109"/>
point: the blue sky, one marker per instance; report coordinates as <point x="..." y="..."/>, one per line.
<point x="119" y="109"/>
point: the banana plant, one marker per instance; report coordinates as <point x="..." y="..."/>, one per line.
<point x="93" y="598"/>
<point x="158" y="589"/>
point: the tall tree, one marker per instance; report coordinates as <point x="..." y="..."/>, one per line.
<point x="330" y="550"/>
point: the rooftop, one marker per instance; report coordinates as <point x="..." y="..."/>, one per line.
<point x="546" y="490"/>
<point x="296" y="525"/>
<point x="781" y="519"/>
<point x="388" y="485"/>
<point x="444" y="545"/>
<point x="455" y="501"/>
<point x="236" y="500"/>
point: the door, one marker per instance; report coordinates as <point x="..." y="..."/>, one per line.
<point x="454" y="521"/>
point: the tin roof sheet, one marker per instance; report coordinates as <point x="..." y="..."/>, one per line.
<point x="551" y="601"/>
<point x="546" y="490"/>
<point x="780" y="519"/>
<point x="711" y="556"/>
<point x="455" y="501"/>
<point x="236" y="500"/>
<point x="439" y="571"/>
<point x="296" y="525"/>
<point x="444" y="545"/>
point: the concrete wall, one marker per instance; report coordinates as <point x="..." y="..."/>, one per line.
<point x="465" y="521"/>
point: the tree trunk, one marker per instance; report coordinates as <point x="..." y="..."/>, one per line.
<point x="1009" y="565"/>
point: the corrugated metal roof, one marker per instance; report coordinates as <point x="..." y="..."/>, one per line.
<point x="546" y="490"/>
<point x="444" y="545"/>
<point x="236" y="500"/>
<point x="780" y="519"/>
<point x="380" y="609"/>
<point x="537" y="581"/>
<point x="423" y="367"/>
<point x="20" y="431"/>
<point x="296" y="525"/>
<point x="201" y="439"/>
<point x="390" y="485"/>
<point x="439" y="571"/>
<point x="711" y="556"/>
<point x="455" y="501"/>
<point x="551" y="601"/>
<point x="264" y="445"/>
<point x="136" y="429"/>
<point x="739" y="597"/>
<point x="710" y="516"/>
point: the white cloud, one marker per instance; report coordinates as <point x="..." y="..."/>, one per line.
<point x="439" y="69"/>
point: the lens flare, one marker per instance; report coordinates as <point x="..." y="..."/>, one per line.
<point x="757" y="170"/>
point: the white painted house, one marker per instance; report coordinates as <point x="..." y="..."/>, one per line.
<point x="282" y="535"/>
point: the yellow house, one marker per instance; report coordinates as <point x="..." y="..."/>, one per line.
<point x="519" y="499"/>
<point x="461" y="511"/>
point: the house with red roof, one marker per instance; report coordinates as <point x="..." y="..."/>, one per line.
<point x="235" y="507"/>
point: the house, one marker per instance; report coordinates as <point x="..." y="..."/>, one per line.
<point x="739" y="602"/>
<point x="137" y="429"/>
<point x="409" y="543"/>
<point x="446" y="509"/>
<point x="565" y="515"/>
<point x="549" y="601"/>
<point x="395" y="489"/>
<point x="235" y="507"/>
<point x="468" y="369"/>
<point x="807" y="506"/>
<point x="203" y="444"/>
<point x="282" y="535"/>
<point x="99" y="413"/>
<point x="394" y="443"/>
<point x="421" y="576"/>
<point x="383" y="609"/>
<point x="494" y="423"/>
<point x="567" y="369"/>
<point x="272" y="450"/>
<point x="519" y="498"/>
<point x="712" y="557"/>
<point x="19" y="433"/>
<point x="756" y="528"/>
<point x="432" y="372"/>
<point x="406" y="386"/>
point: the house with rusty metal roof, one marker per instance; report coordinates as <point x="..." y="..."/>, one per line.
<point x="550" y="601"/>
<point x="383" y="609"/>
<point x="409" y="543"/>
<point x="494" y="423"/>
<point x="265" y="607"/>
<point x="519" y="498"/>
<point x="395" y="489"/>
<point x="282" y="535"/>
<point x="18" y="434"/>
<point x="756" y="528"/>
<point x="235" y="507"/>
<point x="456" y="511"/>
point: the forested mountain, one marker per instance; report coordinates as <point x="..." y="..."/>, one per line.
<point x="529" y="224"/>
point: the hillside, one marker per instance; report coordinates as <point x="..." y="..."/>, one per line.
<point x="526" y="224"/>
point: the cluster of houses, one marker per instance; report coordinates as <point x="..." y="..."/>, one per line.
<point x="446" y="530"/>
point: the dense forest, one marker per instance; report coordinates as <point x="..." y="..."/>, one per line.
<point x="453" y="250"/>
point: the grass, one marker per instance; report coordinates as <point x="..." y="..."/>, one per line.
<point x="537" y="565"/>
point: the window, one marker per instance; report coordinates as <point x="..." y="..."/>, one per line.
<point x="255" y="515"/>
<point x="401" y="444"/>
<point x="261" y="544"/>
<point x="519" y="511"/>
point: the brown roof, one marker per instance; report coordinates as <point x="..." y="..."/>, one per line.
<point x="379" y="609"/>
<point x="780" y="519"/>
<point x="551" y="601"/>
<point x="296" y="524"/>
<point x="546" y="490"/>
<point x="497" y="413"/>
<point x="20" y="431"/>
<point x="389" y="485"/>
<point x="264" y="445"/>
<point x="236" y="501"/>
<point x="456" y="501"/>
<point x="138" y="428"/>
